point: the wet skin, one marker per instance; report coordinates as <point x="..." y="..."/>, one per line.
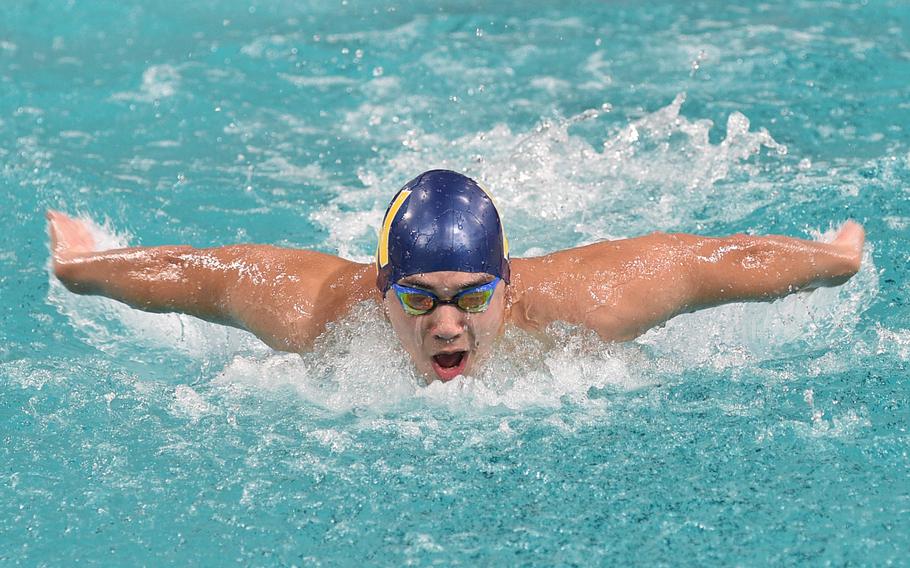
<point x="619" y="289"/>
<point x="447" y="342"/>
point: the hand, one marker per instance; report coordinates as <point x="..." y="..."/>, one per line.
<point x="70" y="237"/>
<point x="849" y="241"/>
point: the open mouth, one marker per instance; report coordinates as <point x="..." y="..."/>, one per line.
<point x="450" y="365"/>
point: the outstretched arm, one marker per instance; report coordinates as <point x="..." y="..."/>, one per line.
<point x="623" y="288"/>
<point x="744" y="268"/>
<point x="284" y="296"/>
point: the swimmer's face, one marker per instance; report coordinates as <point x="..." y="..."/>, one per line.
<point x="447" y="342"/>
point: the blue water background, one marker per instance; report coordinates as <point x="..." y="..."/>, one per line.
<point x="746" y="435"/>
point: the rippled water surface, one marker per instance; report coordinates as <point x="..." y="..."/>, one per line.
<point x="749" y="434"/>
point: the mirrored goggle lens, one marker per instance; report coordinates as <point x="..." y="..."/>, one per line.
<point x="416" y="304"/>
<point x="475" y="302"/>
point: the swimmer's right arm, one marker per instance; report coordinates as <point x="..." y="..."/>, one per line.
<point x="283" y="296"/>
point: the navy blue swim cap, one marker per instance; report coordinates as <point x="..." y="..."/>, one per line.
<point x="440" y="220"/>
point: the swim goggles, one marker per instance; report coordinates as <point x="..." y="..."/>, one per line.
<point x="417" y="302"/>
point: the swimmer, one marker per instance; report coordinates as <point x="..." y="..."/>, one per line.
<point x="445" y="280"/>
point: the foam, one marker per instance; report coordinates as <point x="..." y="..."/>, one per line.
<point x="659" y="172"/>
<point x="278" y="168"/>
<point x="555" y="189"/>
<point x="823" y="424"/>
<point x="189" y="403"/>
<point x="896" y="341"/>
<point x="358" y="366"/>
<point x="269" y="47"/>
<point x="158" y="82"/>
<point x="319" y="82"/>
<point x="403" y="34"/>
<point x="656" y="172"/>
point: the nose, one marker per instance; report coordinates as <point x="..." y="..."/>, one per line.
<point x="448" y="323"/>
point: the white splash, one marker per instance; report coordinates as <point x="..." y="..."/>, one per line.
<point x="659" y="172"/>
<point x="359" y="366"/>
<point x="895" y="341"/>
<point x="317" y="81"/>
<point x="555" y="189"/>
<point x="189" y="403"/>
<point x="158" y="82"/>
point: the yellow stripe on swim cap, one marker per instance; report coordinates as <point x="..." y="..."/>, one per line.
<point x="505" y="241"/>
<point x="383" y="252"/>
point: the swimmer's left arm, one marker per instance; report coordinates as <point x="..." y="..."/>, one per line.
<point x="755" y="268"/>
<point x="623" y="288"/>
<point x="685" y="273"/>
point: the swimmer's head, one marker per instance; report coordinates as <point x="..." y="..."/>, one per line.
<point x="443" y="248"/>
<point x="441" y="221"/>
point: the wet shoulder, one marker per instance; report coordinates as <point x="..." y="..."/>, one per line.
<point x="566" y="285"/>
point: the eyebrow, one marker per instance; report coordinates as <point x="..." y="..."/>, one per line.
<point x="418" y="283"/>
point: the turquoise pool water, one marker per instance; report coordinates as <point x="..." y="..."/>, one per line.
<point x="749" y="434"/>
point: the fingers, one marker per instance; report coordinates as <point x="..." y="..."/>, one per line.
<point x="849" y="240"/>
<point x="851" y="234"/>
<point x="52" y="230"/>
<point x="68" y="236"/>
